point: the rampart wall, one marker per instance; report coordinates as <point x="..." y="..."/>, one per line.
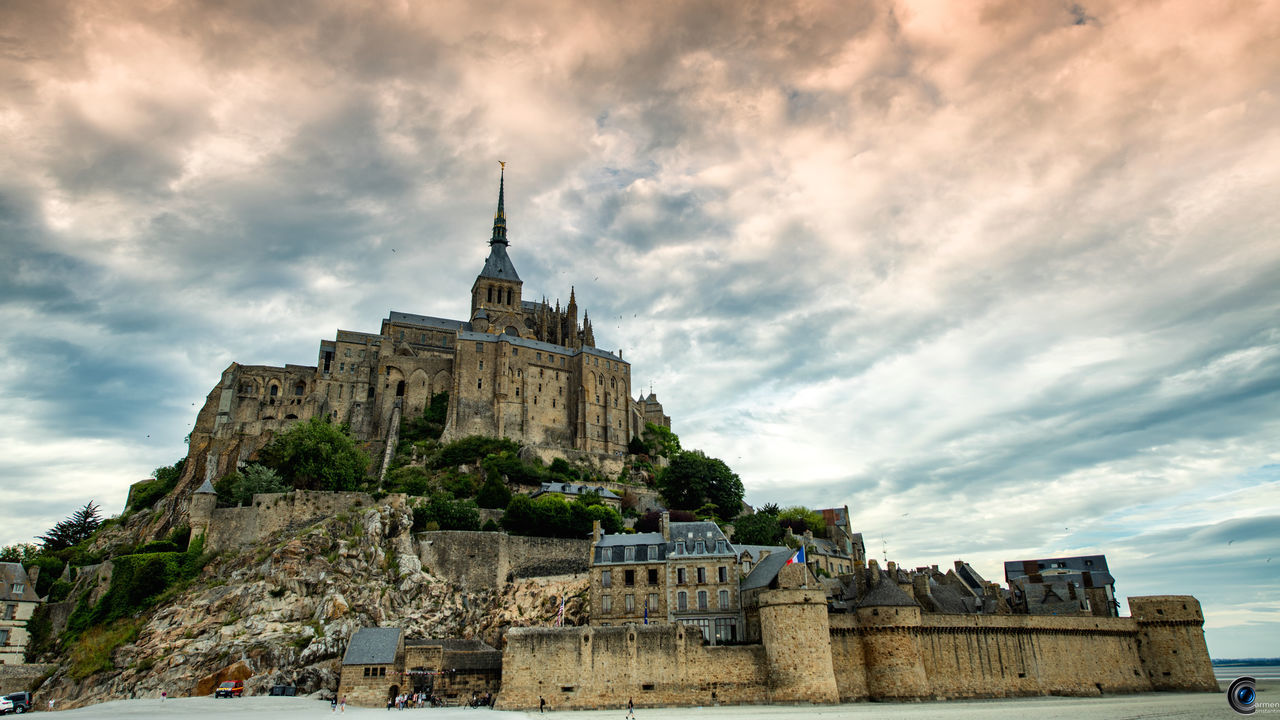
<point x="601" y="667"/>
<point x="490" y="559"/>
<point x="273" y="512"/>
<point x="876" y="653"/>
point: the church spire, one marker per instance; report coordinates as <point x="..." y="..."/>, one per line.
<point x="500" y="217"/>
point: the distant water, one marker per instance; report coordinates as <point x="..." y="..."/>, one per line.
<point x="1257" y="672"/>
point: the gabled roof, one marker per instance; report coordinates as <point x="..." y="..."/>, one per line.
<point x="14" y="574"/>
<point x="767" y="569"/>
<point x="576" y="489"/>
<point x="691" y="532"/>
<point x="886" y="593"/>
<point x="373" y="646"/>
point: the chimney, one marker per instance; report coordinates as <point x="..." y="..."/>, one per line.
<point x="596" y="532"/>
<point x="33" y="574"/>
<point x="665" y="525"/>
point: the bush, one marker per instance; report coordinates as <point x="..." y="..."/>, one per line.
<point x="471" y="450"/>
<point x="490" y="526"/>
<point x="430" y="424"/>
<point x="446" y="513"/>
<point x="758" y="529"/>
<point x="256" y="479"/>
<point x="507" y="465"/>
<point x="636" y="446"/>
<point x="316" y="455"/>
<point x="800" y="518"/>
<point x="137" y="581"/>
<point x="493" y="493"/>
<point x="694" y="479"/>
<point x="50" y="570"/>
<point x="411" y="480"/>
<point x="166" y="479"/>
<point x="551" y="516"/>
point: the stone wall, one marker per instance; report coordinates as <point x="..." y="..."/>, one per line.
<point x="876" y="653"/>
<point x="273" y="512"/>
<point x="491" y="559"/>
<point x="22" y="678"/>
<point x="654" y="665"/>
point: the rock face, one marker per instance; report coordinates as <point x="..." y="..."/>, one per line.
<point x="281" y="613"/>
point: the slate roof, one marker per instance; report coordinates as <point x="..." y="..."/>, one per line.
<point x="691" y="532"/>
<point x="1021" y="568"/>
<point x="651" y="538"/>
<point x="373" y="646"/>
<point x="767" y="569"/>
<point x="576" y="489"/>
<point x="427" y="321"/>
<point x="468" y="334"/>
<point x="948" y="599"/>
<point x="886" y="593"/>
<point x="207" y="488"/>
<point x="14" y="574"/>
<point x="498" y="264"/>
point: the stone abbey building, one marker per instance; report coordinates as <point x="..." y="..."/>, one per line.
<point x="516" y="368"/>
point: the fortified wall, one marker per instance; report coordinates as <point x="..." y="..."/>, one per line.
<point x="491" y="559"/>
<point x="268" y="513"/>
<point x="875" y="653"/>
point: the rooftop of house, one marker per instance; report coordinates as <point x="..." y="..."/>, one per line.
<point x="373" y="646"/>
<point x="15" y="586"/>
<point x="576" y="489"/>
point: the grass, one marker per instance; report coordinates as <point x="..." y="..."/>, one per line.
<point x="92" y="651"/>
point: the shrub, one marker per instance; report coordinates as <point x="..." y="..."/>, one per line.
<point x="471" y="450"/>
<point x="316" y="455"/>
<point x="411" y="480"/>
<point x="446" y="513"/>
<point x="490" y="526"/>
<point x="507" y="465"/>
<point x="493" y="493"/>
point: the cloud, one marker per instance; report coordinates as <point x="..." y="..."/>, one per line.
<point x="1004" y="269"/>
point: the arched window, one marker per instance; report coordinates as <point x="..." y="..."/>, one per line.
<point x="508" y="296"/>
<point x="400" y="389"/>
<point x="275" y="390"/>
<point x="490" y="294"/>
<point x="299" y="389"/>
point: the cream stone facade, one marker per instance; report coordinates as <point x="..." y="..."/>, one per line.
<point x="18" y="601"/>
<point x="515" y="368"/>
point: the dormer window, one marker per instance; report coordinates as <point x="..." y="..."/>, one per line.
<point x="17" y="588"/>
<point x="700" y="548"/>
<point x="680" y="547"/>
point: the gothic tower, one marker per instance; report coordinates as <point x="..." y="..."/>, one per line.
<point x="495" y="295"/>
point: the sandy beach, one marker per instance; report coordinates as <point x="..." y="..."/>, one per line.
<point x="1149" y="705"/>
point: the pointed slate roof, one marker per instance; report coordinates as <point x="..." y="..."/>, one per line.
<point x="886" y="593"/>
<point x="206" y="487"/>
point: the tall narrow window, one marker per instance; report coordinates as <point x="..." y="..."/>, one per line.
<point x="490" y="294"/>
<point x="606" y="604"/>
<point x="724" y="599"/>
<point x="682" y="600"/>
<point x="702" y="599"/>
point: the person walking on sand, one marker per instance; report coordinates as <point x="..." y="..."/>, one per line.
<point x="343" y="704"/>
<point x="631" y="708"/>
<point x="542" y="704"/>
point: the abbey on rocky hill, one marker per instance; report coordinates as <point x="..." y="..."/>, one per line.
<point x="528" y="371"/>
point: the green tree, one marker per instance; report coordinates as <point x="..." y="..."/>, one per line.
<point x="447" y="513"/>
<point x="661" y="440"/>
<point x="77" y="528"/>
<point x="493" y="494"/>
<point x="758" y="529"/>
<point x="316" y="455"/>
<point x="800" y="518"/>
<point x="636" y="446"/>
<point x="256" y="479"/>
<point x="694" y="479"/>
<point x="20" y="553"/>
<point x="165" y="480"/>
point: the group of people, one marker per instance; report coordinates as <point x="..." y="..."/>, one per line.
<point x="414" y="700"/>
<point x="479" y="700"/>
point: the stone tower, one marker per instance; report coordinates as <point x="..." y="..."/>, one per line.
<point x="496" y="305"/>
<point x="889" y="620"/>
<point x="796" y="635"/>
<point x="203" y="501"/>
<point x="1171" y="642"/>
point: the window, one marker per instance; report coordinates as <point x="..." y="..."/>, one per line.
<point x="680" y="577"/>
<point x="726" y="630"/>
<point x="682" y="600"/>
<point x="606" y="577"/>
<point x="299" y="389"/>
<point x="479" y="384"/>
<point x="720" y="548"/>
<point x="606" y="604"/>
<point x="368" y="671"/>
<point x="479" y="347"/>
<point x="489" y="297"/>
<point x="723" y="574"/>
<point x="702" y="599"/>
<point x="652" y="602"/>
<point x="724" y="599"/>
<point x="17" y="588"/>
<point x="515" y="351"/>
<point x="629" y="577"/>
<point x="422" y="337"/>
<point x="700" y="547"/>
<point x="653" y="576"/>
<point x="382" y="672"/>
<point x="630" y="554"/>
<point x="630" y="603"/>
<point x="274" y="390"/>
<point x="9" y="611"/>
<point x="702" y="575"/>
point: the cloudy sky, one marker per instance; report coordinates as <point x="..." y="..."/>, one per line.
<point x="1002" y="277"/>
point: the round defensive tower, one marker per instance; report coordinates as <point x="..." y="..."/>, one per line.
<point x="200" y="511"/>
<point x="797" y="641"/>
<point x="1171" y="642"/>
<point x="889" y="622"/>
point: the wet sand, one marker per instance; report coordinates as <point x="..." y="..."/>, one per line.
<point x="1148" y="705"/>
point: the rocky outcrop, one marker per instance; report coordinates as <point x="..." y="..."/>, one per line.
<point x="281" y="613"/>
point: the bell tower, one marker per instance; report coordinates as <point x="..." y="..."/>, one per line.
<point x="495" y="296"/>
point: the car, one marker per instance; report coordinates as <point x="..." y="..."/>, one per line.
<point x="21" y="701"/>
<point x="6" y="706"/>
<point x="230" y="689"/>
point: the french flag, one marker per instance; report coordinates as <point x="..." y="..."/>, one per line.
<point x="798" y="558"/>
